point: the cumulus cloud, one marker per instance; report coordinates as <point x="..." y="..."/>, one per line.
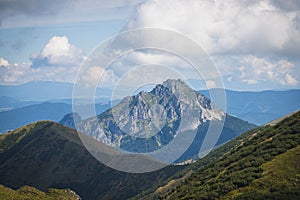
<point x="19" y="73"/>
<point x="254" y="70"/>
<point x="57" y="61"/>
<point x="232" y="26"/>
<point x="12" y="73"/>
<point x="58" y="52"/>
<point x="150" y="57"/>
<point x="290" y="80"/>
<point x="3" y="62"/>
<point x="210" y="84"/>
<point x="251" y="41"/>
<point x="94" y="75"/>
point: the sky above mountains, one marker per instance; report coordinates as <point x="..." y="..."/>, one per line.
<point x="254" y="44"/>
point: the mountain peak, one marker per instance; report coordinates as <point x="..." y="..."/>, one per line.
<point x="176" y="85"/>
<point x="155" y="117"/>
<point x="174" y="82"/>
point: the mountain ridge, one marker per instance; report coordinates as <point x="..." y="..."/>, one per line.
<point x="148" y="121"/>
<point x="46" y="155"/>
<point x="27" y="192"/>
<point x="259" y="164"/>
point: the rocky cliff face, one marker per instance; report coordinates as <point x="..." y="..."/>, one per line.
<point x="150" y="120"/>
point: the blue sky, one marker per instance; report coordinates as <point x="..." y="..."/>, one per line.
<point x="18" y="44"/>
<point x="255" y="45"/>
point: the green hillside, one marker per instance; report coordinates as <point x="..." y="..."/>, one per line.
<point x="49" y="155"/>
<point x="261" y="164"/>
<point x="30" y="193"/>
<point x="280" y="179"/>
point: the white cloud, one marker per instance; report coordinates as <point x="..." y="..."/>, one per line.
<point x="290" y="80"/>
<point x="19" y="73"/>
<point x="250" y="81"/>
<point x="251" y="41"/>
<point x="144" y="57"/>
<point x="94" y="75"/>
<point x="3" y="62"/>
<point x="210" y="84"/>
<point x="57" y="61"/>
<point x="144" y="77"/>
<point x="254" y="70"/>
<point x="231" y="26"/>
<point x="11" y="75"/>
<point x="58" y="52"/>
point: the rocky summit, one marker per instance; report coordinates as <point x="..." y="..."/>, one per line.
<point x="151" y="120"/>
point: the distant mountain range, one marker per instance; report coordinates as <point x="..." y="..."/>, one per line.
<point x="149" y="121"/>
<point x="9" y="103"/>
<point x="38" y="91"/>
<point x="255" y="107"/>
<point x="260" y="107"/>
<point x="12" y="119"/>
<point x="45" y="91"/>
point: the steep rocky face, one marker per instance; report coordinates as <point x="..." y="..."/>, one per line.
<point x="150" y="120"/>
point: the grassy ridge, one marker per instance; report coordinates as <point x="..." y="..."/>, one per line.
<point x="48" y="155"/>
<point x="247" y="166"/>
<point x="30" y="193"/>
